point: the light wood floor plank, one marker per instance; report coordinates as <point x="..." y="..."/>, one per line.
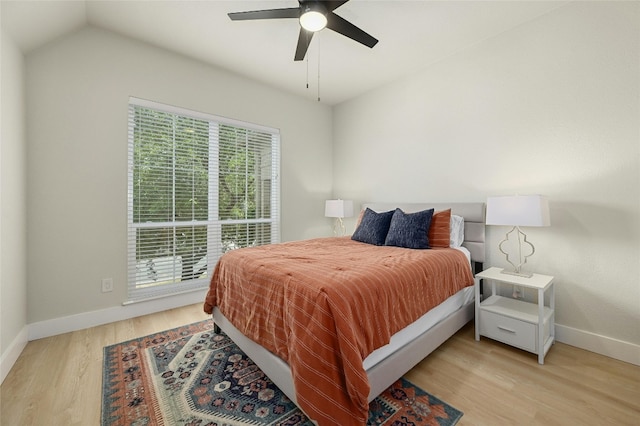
<point x="58" y="380"/>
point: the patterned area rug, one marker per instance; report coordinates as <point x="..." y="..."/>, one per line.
<point x="190" y="376"/>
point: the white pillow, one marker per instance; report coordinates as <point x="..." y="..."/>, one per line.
<point x="457" y="231"/>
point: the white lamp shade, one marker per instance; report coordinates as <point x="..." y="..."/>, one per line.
<point x="338" y="208"/>
<point x="518" y="210"/>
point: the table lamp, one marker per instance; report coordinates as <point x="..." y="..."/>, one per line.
<point x="338" y="209"/>
<point x="518" y="211"/>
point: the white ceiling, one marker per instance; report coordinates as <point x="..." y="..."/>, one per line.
<point x="412" y="34"/>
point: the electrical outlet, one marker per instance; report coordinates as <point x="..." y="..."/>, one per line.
<point x="107" y="285"/>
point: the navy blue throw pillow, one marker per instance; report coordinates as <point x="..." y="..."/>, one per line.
<point x="409" y="230"/>
<point x="373" y="227"/>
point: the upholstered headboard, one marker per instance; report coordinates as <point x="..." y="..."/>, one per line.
<point x="473" y="214"/>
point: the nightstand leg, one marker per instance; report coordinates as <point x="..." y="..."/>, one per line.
<point x="477" y="311"/>
<point x="552" y="305"/>
<point x="541" y="342"/>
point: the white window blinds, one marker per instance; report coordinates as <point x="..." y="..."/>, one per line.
<point x="199" y="185"/>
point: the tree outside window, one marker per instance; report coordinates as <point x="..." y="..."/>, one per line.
<point x="198" y="188"/>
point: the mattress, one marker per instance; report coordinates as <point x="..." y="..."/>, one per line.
<point x="278" y="371"/>
<point x="425" y="322"/>
<point x="428" y="320"/>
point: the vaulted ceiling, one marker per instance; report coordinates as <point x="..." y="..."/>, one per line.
<point x="413" y="35"/>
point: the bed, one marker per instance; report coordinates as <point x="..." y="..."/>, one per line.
<point x="333" y="338"/>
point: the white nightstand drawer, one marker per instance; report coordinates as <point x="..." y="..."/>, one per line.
<point x="511" y="331"/>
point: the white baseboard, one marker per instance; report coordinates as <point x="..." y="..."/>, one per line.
<point x="613" y="348"/>
<point x="617" y="349"/>
<point x="84" y="320"/>
<point x="10" y="356"/>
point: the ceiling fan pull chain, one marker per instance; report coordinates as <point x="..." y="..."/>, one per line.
<point x="318" y="43"/>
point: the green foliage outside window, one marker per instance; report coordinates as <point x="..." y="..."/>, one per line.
<point x="171" y="179"/>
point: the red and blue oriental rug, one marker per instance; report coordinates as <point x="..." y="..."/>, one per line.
<point x="190" y="376"/>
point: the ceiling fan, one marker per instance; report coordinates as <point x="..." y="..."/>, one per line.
<point x="314" y="15"/>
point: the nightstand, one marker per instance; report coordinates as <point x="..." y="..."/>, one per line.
<point x="518" y="323"/>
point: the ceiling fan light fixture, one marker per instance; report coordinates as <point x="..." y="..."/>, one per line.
<point x="313" y="18"/>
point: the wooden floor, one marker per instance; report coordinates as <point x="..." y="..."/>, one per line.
<point x="57" y="380"/>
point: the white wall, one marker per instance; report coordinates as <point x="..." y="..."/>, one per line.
<point x="13" y="249"/>
<point x="551" y="107"/>
<point x="77" y="93"/>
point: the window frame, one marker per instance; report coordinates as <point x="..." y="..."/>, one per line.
<point x="136" y="292"/>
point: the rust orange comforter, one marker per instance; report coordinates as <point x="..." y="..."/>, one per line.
<point x="323" y="305"/>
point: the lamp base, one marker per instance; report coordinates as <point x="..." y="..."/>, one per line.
<point x="522" y="238"/>
<point x="517" y="274"/>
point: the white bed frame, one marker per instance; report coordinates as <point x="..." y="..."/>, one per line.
<point x="388" y="370"/>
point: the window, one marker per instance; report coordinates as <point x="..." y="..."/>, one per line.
<point x="199" y="185"/>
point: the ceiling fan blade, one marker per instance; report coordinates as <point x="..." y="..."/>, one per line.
<point x="333" y="5"/>
<point x="346" y="28"/>
<point x="304" y="39"/>
<point x="293" y="12"/>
